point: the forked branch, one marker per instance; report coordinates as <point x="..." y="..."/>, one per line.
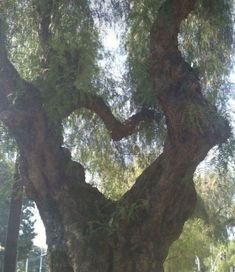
<point x="166" y="185"/>
<point x="117" y="129"/>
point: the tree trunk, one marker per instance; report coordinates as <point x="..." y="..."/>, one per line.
<point x="10" y="254"/>
<point x="85" y="231"/>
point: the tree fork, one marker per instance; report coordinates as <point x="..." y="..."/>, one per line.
<point x="86" y="231"/>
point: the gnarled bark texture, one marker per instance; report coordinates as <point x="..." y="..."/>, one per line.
<point x="81" y="224"/>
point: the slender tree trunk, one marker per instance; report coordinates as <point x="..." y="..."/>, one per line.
<point x="10" y="254"/>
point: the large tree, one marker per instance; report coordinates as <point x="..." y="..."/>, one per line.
<point x="85" y="230"/>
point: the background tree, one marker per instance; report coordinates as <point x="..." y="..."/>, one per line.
<point x="26" y="224"/>
<point x="224" y="265"/>
<point x="13" y="226"/>
<point x="206" y="236"/>
<point x="36" y="261"/>
<point x="193" y="243"/>
<point x="60" y="79"/>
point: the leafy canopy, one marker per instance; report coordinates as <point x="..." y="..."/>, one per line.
<point x="71" y="37"/>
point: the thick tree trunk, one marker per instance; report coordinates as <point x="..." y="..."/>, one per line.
<point x="85" y="231"/>
<point x="10" y="254"/>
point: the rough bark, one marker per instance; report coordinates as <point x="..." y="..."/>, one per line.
<point x="10" y="253"/>
<point x="86" y="231"/>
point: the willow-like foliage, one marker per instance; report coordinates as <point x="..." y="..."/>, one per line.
<point x="74" y="40"/>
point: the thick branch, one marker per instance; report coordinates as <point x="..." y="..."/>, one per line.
<point x="166" y="26"/>
<point x="176" y="85"/>
<point x="44" y="14"/>
<point x="116" y="128"/>
<point x="164" y="192"/>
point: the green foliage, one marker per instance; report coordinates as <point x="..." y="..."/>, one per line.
<point x="206" y="235"/>
<point x="140" y="19"/>
<point x="217" y="193"/>
<point x="205" y="54"/>
<point x="122" y="213"/>
<point x="71" y="61"/>
<point x="7" y="145"/>
<point x="68" y="65"/>
<point x="7" y="157"/>
<point x="111" y="166"/>
<point x="206" y="42"/>
<point x="194" y="241"/>
<point x="27" y="234"/>
<point x="229" y="261"/>
<point x="127" y="213"/>
<point x="72" y="66"/>
<point x="21" y="37"/>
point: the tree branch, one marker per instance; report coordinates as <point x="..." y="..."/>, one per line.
<point x="166" y="188"/>
<point x="44" y="14"/>
<point x="176" y="85"/>
<point x="117" y="129"/>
